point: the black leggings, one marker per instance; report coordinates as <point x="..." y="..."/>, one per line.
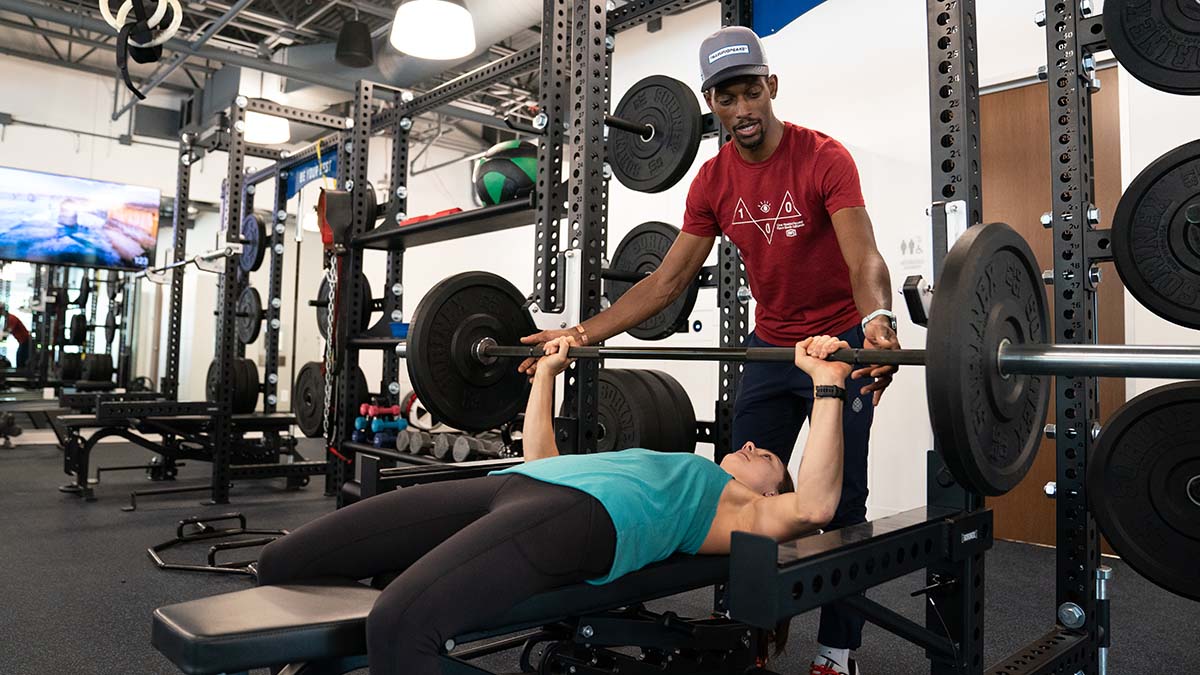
<point x="467" y="550"/>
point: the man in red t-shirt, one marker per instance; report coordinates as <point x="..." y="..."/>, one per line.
<point x="790" y="199"/>
<point x="16" y="328"/>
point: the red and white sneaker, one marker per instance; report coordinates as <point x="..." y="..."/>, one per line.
<point x="826" y="666"/>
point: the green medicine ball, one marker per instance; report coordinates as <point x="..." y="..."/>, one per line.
<point x="506" y="172"/>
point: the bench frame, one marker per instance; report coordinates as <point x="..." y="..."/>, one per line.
<point x="183" y="438"/>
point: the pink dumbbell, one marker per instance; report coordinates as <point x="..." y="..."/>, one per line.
<point x="377" y="411"/>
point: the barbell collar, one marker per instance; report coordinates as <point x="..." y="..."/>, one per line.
<point x="623" y="275"/>
<point x="642" y="130"/>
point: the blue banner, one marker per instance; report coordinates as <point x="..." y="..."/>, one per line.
<point x="770" y="16"/>
<point x="303" y="174"/>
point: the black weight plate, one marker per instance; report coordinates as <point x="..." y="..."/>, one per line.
<point x="666" y="419"/>
<point x="249" y="315"/>
<point x="70" y="367"/>
<point x="1158" y="41"/>
<point x="254" y="242"/>
<point x="680" y="410"/>
<point x="85" y="291"/>
<point x="456" y="387"/>
<point x="244" y="397"/>
<point x="622" y="422"/>
<point x="1143" y="485"/>
<point x="361" y="393"/>
<point x="112" y="284"/>
<point x="212" y="382"/>
<point x="988" y="426"/>
<point x="1155" y="247"/>
<point x="656" y="163"/>
<point x="98" y="368"/>
<point x="651" y="429"/>
<point x="110" y="327"/>
<point x="78" y="331"/>
<point x="309" y="398"/>
<point x="248" y="389"/>
<point x="643" y="250"/>
<point x="364" y="320"/>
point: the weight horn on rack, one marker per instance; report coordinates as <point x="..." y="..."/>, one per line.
<point x="988" y="384"/>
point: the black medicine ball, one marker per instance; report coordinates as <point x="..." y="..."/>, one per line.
<point x="506" y="172"/>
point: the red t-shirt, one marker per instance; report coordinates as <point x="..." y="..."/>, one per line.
<point x="777" y="212"/>
<point x="18" y="330"/>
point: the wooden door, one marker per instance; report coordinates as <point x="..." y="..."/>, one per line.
<point x="1015" y="144"/>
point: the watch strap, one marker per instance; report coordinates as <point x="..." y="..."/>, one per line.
<point x="880" y="312"/>
<point x="829" y="391"/>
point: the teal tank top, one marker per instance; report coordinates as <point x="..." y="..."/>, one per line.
<point x="660" y="503"/>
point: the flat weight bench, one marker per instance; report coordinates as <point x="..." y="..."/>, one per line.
<point x="319" y="628"/>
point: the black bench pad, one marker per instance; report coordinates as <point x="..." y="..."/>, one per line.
<point x="276" y="625"/>
<point x="264" y="626"/>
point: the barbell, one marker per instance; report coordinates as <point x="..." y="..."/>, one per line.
<point x="1010" y="359"/>
<point x="987" y="359"/>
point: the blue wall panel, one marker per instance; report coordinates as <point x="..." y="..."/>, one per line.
<point x="772" y="15"/>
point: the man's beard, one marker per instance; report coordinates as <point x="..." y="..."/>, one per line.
<point x="753" y="142"/>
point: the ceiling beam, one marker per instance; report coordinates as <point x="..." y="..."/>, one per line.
<point x="79" y="40"/>
<point x="177" y="44"/>
<point x="81" y="67"/>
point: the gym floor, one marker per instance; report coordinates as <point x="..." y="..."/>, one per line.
<point x="79" y="588"/>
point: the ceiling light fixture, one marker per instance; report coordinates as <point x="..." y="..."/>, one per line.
<point x="434" y="29"/>
<point x="267" y="129"/>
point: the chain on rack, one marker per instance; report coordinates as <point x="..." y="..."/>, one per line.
<point x="331" y="276"/>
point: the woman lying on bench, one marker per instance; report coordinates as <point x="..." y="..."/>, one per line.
<point x="472" y="549"/>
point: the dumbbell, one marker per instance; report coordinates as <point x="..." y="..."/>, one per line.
<point x="443" y="445"/>
<point x="378" y="411"/>
<point x="469" y="447"/>
<point x="362" y="423"/>
<point x="388" y="425"/>
<point x="359" y="436"/>
<point x="384" y="440"/>
<point x="416" y="442"/>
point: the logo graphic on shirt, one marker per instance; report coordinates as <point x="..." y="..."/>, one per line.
<point x="788" y="218"/>
<point x="857" y="406"/>
<point x="728" y="51"/>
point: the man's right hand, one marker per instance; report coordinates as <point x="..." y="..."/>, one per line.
<point x="529" y="365"/>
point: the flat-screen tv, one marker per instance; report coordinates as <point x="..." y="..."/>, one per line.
<point x="61" y="220"/>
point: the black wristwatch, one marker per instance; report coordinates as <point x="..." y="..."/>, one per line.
<point x="829" y="391"/>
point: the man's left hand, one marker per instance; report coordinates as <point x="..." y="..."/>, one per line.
<point x="878" y="335"/>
